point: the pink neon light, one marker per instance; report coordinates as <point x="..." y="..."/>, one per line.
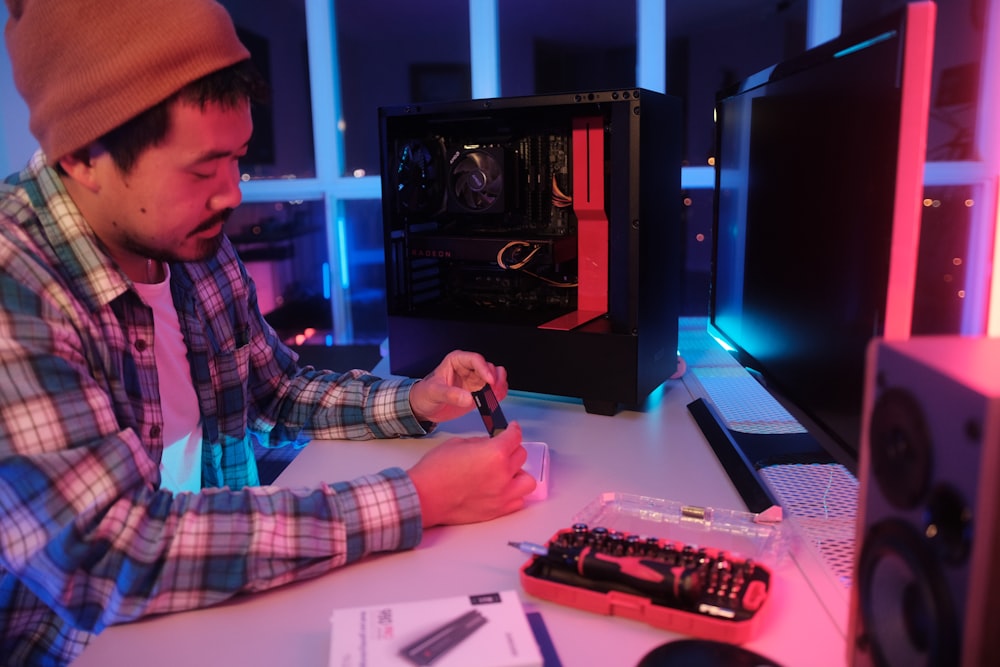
<point x="916" y="91"/>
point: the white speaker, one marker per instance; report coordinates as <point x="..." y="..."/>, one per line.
<point x="926" y="588"/>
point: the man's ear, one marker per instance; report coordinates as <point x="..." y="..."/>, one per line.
<point x="79" y="166"/>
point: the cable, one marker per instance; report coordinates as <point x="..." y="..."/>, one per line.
<point x="519" y="266"/>
<point x="559" y="198"/>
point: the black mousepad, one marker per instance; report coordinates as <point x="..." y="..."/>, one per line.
<point x="703" y="653"/>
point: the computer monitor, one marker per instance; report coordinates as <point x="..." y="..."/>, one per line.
<point x="819" y="180"/>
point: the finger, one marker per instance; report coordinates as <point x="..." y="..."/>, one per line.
<point x="523" y="483"/>
<point x="510" y="439"/>
<point x="476" y="365"/>
<point x="518" y="458"/>
<point x="440" y="393"/>
<point x="458" y="396"/>
<point x="514" y="505"/>
<point x="500" y="385"/>
<point x="490" y="375"/>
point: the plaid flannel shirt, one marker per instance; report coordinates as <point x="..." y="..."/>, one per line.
<point x="87" y="537"/>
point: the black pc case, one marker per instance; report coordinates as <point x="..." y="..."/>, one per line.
<point x="543" y="232"/>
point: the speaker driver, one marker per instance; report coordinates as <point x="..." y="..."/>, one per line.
<point x="907" y="614"/>
<point x="900" y="448"/>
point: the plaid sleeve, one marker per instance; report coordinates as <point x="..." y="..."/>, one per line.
<point x="285" y="402"/>
<point x="86" y="532"/>
<point x="149" y="552"/>
<point x="86" y="537"/>
<point x="168" y="553"/>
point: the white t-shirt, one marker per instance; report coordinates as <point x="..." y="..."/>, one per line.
<point x="180" y="467"/>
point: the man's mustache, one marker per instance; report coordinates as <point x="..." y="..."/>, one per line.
<point x="219" y="218"/>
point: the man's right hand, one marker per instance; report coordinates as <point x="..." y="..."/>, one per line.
<point x="466" y="480"/>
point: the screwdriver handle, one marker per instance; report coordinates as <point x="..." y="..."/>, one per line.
<point x="656" y="578"/>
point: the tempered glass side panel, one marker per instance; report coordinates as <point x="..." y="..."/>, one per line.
<point x="575" y="249"/>
<point x="480" y="222"/>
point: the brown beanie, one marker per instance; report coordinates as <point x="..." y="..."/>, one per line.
<point x="86" y="66"/>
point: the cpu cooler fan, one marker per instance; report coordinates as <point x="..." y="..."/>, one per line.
<point x="420" y="176"/>
<point x="477" y="181"/>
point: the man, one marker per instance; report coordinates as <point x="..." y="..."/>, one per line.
<point x="136" y="365"/>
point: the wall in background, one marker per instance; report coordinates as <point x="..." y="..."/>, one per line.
<point x="706" y="46"/>
<point x="16" y="142"/>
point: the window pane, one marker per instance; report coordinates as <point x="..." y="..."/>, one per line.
<point x="711" y="46"/>
<point x="275" y="34"/>
<point x="394" y="53"/>
<point x="946" y="287"/>
<point x="366" y="269"/>
<point x="958" y="52"/>
<point x="283" y="245"/>
<point x="697" y="221"/>
<point x="566" y="46"/>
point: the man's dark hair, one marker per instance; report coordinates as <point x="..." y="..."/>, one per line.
<point x="227" y="87"/>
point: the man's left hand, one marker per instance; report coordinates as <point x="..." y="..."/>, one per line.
<point x="446" y="393"/>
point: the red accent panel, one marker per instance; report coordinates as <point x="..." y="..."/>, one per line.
<point x="591" y="223"/>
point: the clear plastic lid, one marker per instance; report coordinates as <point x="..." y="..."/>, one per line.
<point x="738" y="533"/>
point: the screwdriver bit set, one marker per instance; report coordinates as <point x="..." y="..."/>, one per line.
<point x="705" y="588"/>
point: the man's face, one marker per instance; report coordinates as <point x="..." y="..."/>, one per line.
<point x="172" y="204"/>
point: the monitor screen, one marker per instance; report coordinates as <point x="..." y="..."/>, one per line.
<point x="819" y="175"/>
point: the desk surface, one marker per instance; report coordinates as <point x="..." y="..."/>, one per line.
<point x="658" y="453"/>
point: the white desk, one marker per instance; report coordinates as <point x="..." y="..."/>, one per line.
<point x="658" y="453"/>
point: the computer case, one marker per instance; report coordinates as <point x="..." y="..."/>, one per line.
<point x="543" y="232"/>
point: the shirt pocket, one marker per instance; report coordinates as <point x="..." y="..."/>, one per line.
<point x="231" y="370"/>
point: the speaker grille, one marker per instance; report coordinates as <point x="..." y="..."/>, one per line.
<point x="821" y="500"/>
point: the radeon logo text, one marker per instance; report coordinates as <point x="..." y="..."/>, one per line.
<point x="430" y="252"/>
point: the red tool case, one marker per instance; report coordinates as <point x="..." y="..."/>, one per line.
<point x="723" y="561"/>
